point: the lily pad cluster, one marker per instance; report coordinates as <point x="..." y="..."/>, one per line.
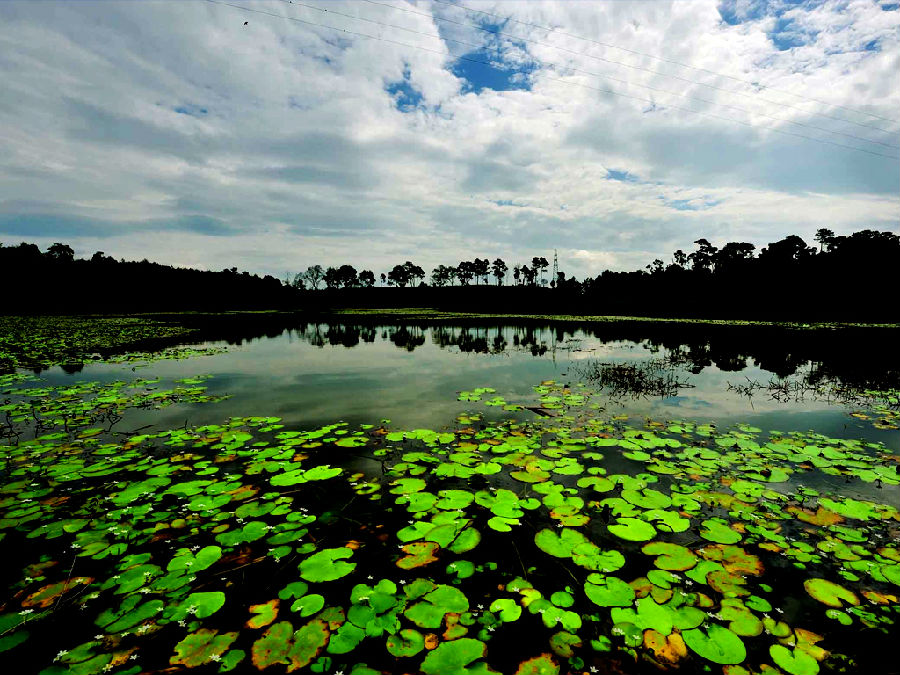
<point x="42" y="342"/>
<point x="564" y="543"/>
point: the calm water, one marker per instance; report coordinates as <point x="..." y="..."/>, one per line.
<point x="316" y="374"/>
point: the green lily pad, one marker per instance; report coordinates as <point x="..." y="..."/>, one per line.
<point x="717" y="530"/>
<point x="452" y="658"/>
<point x="608" y="591"/>
<point x="633" y="529"/>
<point x="673" y="557"/>
<point x="830" y="593"/>
<point x="325" y="566"/>
<point x="716" y="644"/>
<point x="796" y="662"/>
<point x="507" y="609"/>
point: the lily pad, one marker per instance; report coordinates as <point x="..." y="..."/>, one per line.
<point x="716" y="644"/>
<point x="830" y="593"/>
<point x="327" y="565"/>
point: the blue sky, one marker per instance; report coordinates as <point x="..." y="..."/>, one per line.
<point x="612" y="131"/>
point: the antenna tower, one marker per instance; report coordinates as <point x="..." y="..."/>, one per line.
<point x="555" y="278"/>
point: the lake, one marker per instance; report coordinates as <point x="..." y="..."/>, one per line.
<point x="441" y="498"/>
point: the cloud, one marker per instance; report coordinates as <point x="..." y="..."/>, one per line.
<point x="174" y="132"/>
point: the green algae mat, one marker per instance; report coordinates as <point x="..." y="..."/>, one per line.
<point x="568" y="543"/>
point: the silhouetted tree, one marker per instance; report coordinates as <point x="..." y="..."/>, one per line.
<point x="703" y="258"/>
<point x="314" y="276"/>
<point x="656" y="267"/>
<point x="499" y="270"/>
<point x="481" y="268"/>
<point x="824" y="237"/>
<point x="347" y="277"/>
<point x="788" y="250"/>
<point x="60" y="253"/>
<point x="733" y="256"/>
<point x="413" y="272"/>
<point x="538" y="265"/>
<point x="367" y="278"/>
<point x="440" y="275"/>
<point x="464" y="272"/>
<point x="332" y="278"/>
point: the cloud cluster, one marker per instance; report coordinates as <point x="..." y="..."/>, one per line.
<point x="172" y="131"/>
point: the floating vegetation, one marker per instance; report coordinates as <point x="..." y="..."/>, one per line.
<point x="42" y="342"/>
<point x="565" y="543"/>
<point x="85" y="409"/>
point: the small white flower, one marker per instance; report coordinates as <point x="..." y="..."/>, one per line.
<point x="99" y="637"/>
<point x="133" y="657"/>
<point x="24" y="612"/>
<point x="492" y="628"/>
<point x="593" y="669"/>
<point x="480" y="606"/>
<point x="215" y="657"/>
<point x="403" y="582"/>
<point x="182" y="623"/>
<point x="370" y="577"/>
<point x="61" y="654"/>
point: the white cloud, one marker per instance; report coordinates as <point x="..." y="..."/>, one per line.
<point x="302" y="157"/>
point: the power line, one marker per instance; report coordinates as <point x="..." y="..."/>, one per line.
<point x="591" y="73"/>
<point x="551" y="79"/>
<point x="677" y="63"/>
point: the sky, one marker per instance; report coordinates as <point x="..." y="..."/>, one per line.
<point x="381" y="131"/>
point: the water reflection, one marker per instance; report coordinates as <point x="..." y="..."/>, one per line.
<point x="313" y="373"/>
<point x="851" y="357"/>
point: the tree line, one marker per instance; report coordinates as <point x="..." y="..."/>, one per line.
<point x="479" y="271"/>
<point x="846" y="278"/>
<point x="849" y="278"/>
<point x="55" y="281"/>
<point x="789" y="253"/>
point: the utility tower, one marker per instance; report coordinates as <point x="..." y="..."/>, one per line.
<point x="555" y="279"/>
